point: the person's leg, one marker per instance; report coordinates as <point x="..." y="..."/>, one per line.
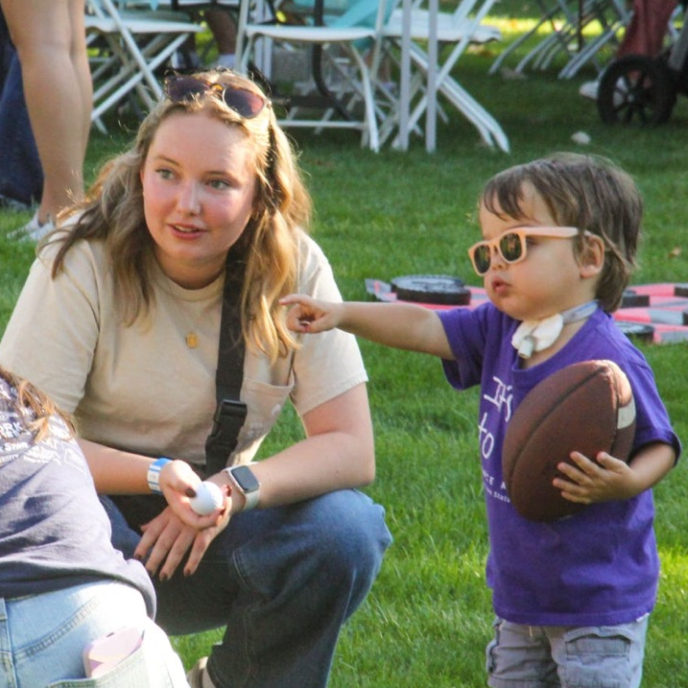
<point x="221" y="24"/>
<point x="56" y="93"/>
<point x="520" y="657"/>
<point x="82" y="69"/>
<point x="283" y="581"/>
<point x="6" y="50"/>
<point x="604" y="656"/>
<point x="21" y="176"/>
<point x="45" y="636"/>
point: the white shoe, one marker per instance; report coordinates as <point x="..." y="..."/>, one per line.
<point x="33" y="230"/>
<point x="589" y="89"/>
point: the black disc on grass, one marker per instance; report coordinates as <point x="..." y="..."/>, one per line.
<point x="639" y="331"/>
<point x="632" y="299"/>
<point x="436" y="289"/>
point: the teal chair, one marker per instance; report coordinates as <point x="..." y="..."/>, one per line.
<point x="345" y="36"/>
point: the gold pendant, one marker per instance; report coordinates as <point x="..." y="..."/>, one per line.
<point x="192" y="340"/>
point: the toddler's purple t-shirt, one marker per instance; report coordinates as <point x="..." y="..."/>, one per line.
<point x="599" y="567"/>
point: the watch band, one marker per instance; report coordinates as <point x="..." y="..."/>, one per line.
<point x="154" y="474"/>
<point x="244" y="480"/>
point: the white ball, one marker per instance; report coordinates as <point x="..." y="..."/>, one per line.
<point x="208" y="498"/>
<point x="581" y="137"/>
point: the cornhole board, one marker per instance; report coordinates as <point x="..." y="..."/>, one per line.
<point x="652" y="312"/>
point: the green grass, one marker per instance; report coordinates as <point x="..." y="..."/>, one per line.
<point x="428" y="617"/>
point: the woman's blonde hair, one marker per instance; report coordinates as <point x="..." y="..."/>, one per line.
<point x="113" y="212"/>
<point x="38" y="405"/>
<point x="584" y="191"/>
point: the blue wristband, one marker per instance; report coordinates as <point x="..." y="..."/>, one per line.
<point x="154" y="474"/>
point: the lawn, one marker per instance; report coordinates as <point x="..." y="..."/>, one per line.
<point x="428" y="617"/>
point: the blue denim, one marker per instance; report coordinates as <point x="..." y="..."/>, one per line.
<point x="283" y="581"/>
<point x="42" y="639"/>
<point x="21" y="175"/>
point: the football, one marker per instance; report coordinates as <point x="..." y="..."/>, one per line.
<point x="586" y="407"/>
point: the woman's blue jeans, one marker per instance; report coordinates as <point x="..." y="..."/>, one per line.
<point x="283" y="581"/>
<point x="43" y="637"/>
<point x="21" y="175"/>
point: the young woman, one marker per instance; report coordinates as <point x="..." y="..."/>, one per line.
<point x="120" y="321"/>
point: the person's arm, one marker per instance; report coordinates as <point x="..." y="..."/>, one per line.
<point x="119" y="472"/>
<point x="608" y="478"/>
<point x="337" y="453"/>
<point x="398" y="325"/>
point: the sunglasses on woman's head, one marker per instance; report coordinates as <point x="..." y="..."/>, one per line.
<point x="246" y="103"/>
<point x="512" y="246"/>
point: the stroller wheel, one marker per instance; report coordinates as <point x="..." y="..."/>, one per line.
<point x="636" y="88"/>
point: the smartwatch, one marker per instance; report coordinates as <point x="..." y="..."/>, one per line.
<point x="243" y="478"/>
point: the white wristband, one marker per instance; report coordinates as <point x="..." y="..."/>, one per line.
<point x="154" y="474"/>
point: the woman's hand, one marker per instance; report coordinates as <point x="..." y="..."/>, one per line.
<point x="166" y="540"/>
<point x="178" y="483"/>
<point x="309" y="315"/>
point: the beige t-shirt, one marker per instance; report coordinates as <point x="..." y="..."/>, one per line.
<point x="142" y="388"/>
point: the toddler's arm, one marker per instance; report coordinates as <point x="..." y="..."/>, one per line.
<point x="609" y="479"/>
<point x="399" y="325"/>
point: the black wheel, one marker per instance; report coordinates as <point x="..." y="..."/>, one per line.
<point x="636" y="88"/>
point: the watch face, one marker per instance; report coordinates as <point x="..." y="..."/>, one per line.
<point x="245" y="478"/>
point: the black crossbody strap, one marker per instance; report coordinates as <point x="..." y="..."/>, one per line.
<point x="230" y="412"/>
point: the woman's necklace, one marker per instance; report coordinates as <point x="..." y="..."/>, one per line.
<point x="196" y="309"/>
<point x="193" y="317"/>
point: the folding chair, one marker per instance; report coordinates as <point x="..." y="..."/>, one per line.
<point x="345" y="94"/>
<point x="568" y="19"/>
<point x="613" y="17"/>
<point x="459" y="29"/>
<point x="192" y="8"/>
<point x="136" y="44"/>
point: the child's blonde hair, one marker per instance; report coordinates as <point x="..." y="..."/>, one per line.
<point x="584" y="191"/>
<point x="34" y="406"/>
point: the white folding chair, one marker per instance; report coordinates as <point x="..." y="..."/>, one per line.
<point x="459" y="29"/>
<point x="568" y="19"/>
<point x="136" y="44"/>
<point x="612" y="16"/>
<point x="554" y="14"/>
<point x="347" y="89"/>
<point x="192" y="8"/>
